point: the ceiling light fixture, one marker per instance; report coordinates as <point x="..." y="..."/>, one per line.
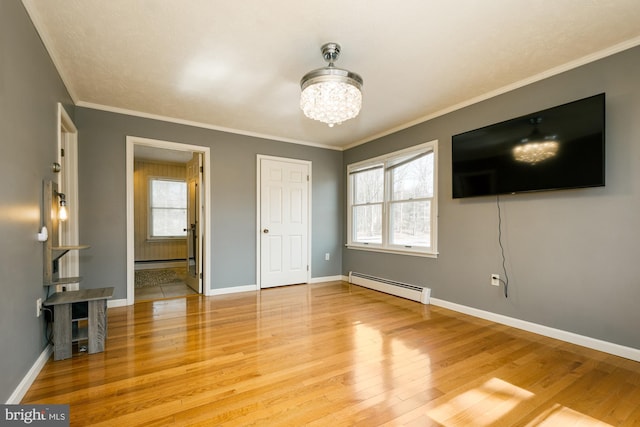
<point x="331" y="95"/>
<point x="536" y="147"/>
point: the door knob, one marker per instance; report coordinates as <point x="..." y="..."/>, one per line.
<point x="265" y="231"/>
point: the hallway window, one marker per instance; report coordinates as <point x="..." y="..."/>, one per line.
<point x="167" y="208"/>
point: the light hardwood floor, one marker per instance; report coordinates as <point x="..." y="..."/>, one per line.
<point x="332" y="355"/>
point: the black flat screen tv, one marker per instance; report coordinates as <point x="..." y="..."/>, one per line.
<point x="558" y="148"/>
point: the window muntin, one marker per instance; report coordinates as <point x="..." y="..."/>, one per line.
<point x="167" y="208"/>
<point x="392" y="202"/>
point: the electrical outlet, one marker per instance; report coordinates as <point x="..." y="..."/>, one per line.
<point x="327" y="256"/>
<point x="495" y="280"/>
<point x="38" y="307"/>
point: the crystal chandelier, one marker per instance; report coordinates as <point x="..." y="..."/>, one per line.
<point x="536" y="147"/>
<point x="331" y="95"/>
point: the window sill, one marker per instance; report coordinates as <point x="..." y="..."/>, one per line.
<point x="392" y="251"/>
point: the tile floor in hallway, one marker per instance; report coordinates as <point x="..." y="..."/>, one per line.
<point x="169" y="290"/>
<point x="161" y="283"/>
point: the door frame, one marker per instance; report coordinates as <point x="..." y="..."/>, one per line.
<point x="131" y="142"/>
<point x="197" y="229"/>
<point x="67" y="180"/>
<point x="259" y="159"/>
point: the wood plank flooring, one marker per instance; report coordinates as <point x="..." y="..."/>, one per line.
<point x="334" y="355"/>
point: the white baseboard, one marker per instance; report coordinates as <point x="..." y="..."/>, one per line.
<point x="325" y="279"/>
<point x="595" y="344"/>
<point x="116" y="303"/>
<point x="232" y="290"/>
<point x="30" y="377"/>
<point x="250" y="288"/>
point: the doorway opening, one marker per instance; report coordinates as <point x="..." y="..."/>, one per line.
<point x="168" y="209"/>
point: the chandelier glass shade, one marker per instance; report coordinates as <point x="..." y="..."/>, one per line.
<point x="331" y="95"/>
<point x="536" y="147"/>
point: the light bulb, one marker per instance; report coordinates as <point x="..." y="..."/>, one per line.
<point x="62" y="213"/>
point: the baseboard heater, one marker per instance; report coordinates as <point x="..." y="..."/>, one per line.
<point x="399" y="289"/>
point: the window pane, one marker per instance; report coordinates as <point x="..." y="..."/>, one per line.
<point x="168" y="208"/>
<point x="368" y="186"/>
<point x="169" y="222"/>
<point x="168" y="194"/>
<point x="367" y="224"/>
<point x="414" y="179"/>
<point x="410" y="224"/>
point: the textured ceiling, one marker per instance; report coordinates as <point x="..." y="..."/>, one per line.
<point x="236" y="65"/>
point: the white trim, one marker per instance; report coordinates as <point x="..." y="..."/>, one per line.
<point x="249" y="288"/>
<point x="129" y="168"/>
<point x="67" y="179"/>
<point x="202" y="125"/>
<point x="131" y="142"/>
<point x="309" y="164"/>
<point x="508" y="88"/>
<point x="234" y="290"/>
<point x="325" y="279"/>
<point x="113" y="303"/>
<point x="30" y="377"/>
<point x="559" y="334"/>
<point x="366" y="248"/>
<point x="64" y="120"/>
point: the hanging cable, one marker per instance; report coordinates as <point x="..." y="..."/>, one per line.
<point x="504" y="260"/>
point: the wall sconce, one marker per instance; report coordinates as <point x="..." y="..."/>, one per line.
<point x="62" y="210"/>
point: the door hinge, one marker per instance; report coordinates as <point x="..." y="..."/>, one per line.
<point x="200" y="275"/>
<point x="62" y="152"/>
<point x="307" y="178"/>
<point x="307" y="268"/>
<point x="201" y="169"/>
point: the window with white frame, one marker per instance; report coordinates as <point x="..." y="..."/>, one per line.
<point x="167" y="208"/>
<point x="392" y="204"/>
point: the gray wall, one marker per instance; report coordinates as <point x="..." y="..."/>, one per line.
<point x="102" y="137"/>
<point x="572" y="255"/>
<point x="30" y="89"/>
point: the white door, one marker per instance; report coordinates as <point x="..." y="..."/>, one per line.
<point x="194" y="232"/>
<point x="284" y="221"/>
